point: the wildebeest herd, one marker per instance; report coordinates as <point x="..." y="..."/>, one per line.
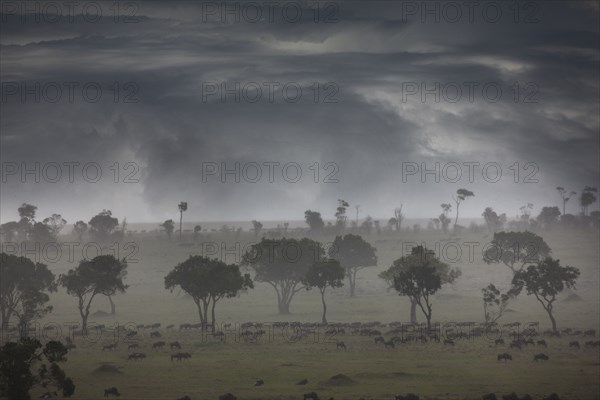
<point x="389" y="336"/>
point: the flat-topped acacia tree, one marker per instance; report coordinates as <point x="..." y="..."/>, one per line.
<point x="283" y="264"/>
<point x="207" y="281"/>
<point x="102" y="275"/>
<point x="354" y="253"/>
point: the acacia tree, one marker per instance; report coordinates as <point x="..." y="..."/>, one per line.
<point x="493" y="221"/>
<point x="17" y="360"/>
<point x="24" y="288"/>
<point x="80" y="228"/>
<point x="257" y="227"/>
<point x="340" y="215"/>
<point x="283" y="263"/>
<point x="515" y="249"/>
<point x="548" y="217"/>
<point x="354" y="253"/>
<point x="324" y="274"/>
<point x="207" y="281"/>
<point x="103" y="225"/>
<point x="587" y="198"/>
<point x="545" y="281"/>
<point x="314" y="221"/>
<point x="565" y="196"/>
<point x="169" y="227"/>
<point x="444" y="220"/>
<point x="55" y="223"/>
<point x="101" y="275"/>
<point x="461" y="195"/>
<point x="494" y="303"/>
<point x="419" y="283"/>
<point x="419" y="257"/>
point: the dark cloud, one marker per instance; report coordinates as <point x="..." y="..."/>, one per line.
<point x="369" y="56"/>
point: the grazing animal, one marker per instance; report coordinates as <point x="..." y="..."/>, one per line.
<point x="390" y="344"/>
<point x="515" y="345"/>
<point x="409" y="396"/>
<point x="170" y="326"/>
<point x="175" y="345"/>
<point x="541" y="356"/>
<point x="130" y="334"/>
<point x="379" y="339"/>
<point x="158" y="345"/>
<point x="227" y="396"/>
<point x="449" y="342"/>
<point x="310" y="396"/>
<point x="511" y="396"/>
<point x="574" y="344"/>
<point x="112" y="391"/>
<point x="155" y="334"/>
<point x="185" y="398"/>
<point x="259" y="382"/>
<point x="499" y="341"/>
<point x="180" y="356"/>
<point x="302" y="382"/>
<point x="136" y="356"/>
<point x="504" y="356"/>
<point x="133" y="346"/>
<point x="526" y="397"/>
<point x="552" y="396"/>
<point x="489" y="396"/>
<point x="340" y="345"/>
<point x="589" y="332"/>
<point x="542" y="343"/>
<point x="111" y="346"/>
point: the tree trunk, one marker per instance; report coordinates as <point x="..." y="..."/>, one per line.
<point x="284" y="307"/>
<point x="549" y="311"/>
<point x="413" y="312"/>
<point x="324" y="320"/>
<point x="113" y="308"/>
<point x="352" y="282"/>
<point x="212" y="314"/>
<point x="84" y="320"/>
<point x="456" y="219"/>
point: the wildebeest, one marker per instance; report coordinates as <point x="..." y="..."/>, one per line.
<point x="552" y="396"/>
<point x="526" y="397"/>
<point x="155" y="334"/>
<point x="259" y="382"/>
<point x="112" y="391"/>
<point x="515" y="345"/>
<point x="590" y="332"/>
<point x="510" y="396"/>
<point x="541" y="356"/>
<point x="111" y="346"/>
<point x="185" y="398"/>
<point x="379" y="339"/>
<point x="170" y="326"/>
<point x="136" y="356"/>
<point x="175" y="345"/>
<point x="130" y="334"/>
<point x="311" y="396"/>
<point x="390" y="344"/>
<point x="489" y="396"/>
<point x="158" y="345"/>
<point x="302" y="382"/>
<point x="499" y="341"/>
<point x="542" y="343"/>
<point x="180" y="356"/>
<point x="409" y="396"/>
<point x="504" y="356"/>
<point x="227" y="396"/>
<point x="448" y="342"/>
<point x="340" y="345"/>
<point x="592" y="343"/>
<point x="574" y="344"/>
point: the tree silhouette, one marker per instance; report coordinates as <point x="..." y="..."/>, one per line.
<point x="324" y="274"/>
<point x="461" y="195"/>
<point x="354" y="254"/>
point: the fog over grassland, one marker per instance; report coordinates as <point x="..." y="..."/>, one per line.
<point x="300" y="200"/>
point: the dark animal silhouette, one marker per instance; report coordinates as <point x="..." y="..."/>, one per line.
<point x="541" y="356"/>
<point x="340" y="345"/>
<point x="111" y="346"/>
<point x="185" y="398"/>
<point x="390" y="344"/>
<point x="227" y="396"/>
<point x="409" y="396"/>
<point x="136" y="356"/>
<point x="175" y="345"/>
<point x="112" y="391"/>
<point x="511" y="396"/>
<point x="504" y="356"/>
<point x="158" y="345"/>
<point x="302" y="382"/>
<point x="155" y="334"/>
<point x="448" y="342"/>
<point x="552" y="396"/>
<point x="133" y="346"/>
<point x="574" y="344"/>
<point x="499" y="341"/>
<point x="542" y="343"/>
<point x="489" y="396"/>
<point x="311" y="396"/>
<point x="259" y="382"/>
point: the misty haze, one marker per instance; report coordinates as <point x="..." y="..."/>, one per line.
<point x="311" y="200"/>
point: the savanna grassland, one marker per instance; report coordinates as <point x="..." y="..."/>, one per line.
<point x="464" y="371"/>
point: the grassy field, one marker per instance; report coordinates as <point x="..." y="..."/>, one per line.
<point x="431" y="370"/>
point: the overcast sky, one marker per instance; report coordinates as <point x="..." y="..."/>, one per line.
<point x="167" y="113"/>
